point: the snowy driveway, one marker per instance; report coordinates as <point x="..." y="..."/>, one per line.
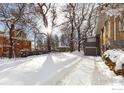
<point x="35" y="70"/>
<point x="91" y="71"/>
<point x="57" y="69"/>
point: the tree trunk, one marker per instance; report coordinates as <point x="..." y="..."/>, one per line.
<point x="48" y="43"/>
<point x="72" y="37"/>
<point x="11" y="42"/>
<point x="35" y="41"/>
<point x="79" y="45"/>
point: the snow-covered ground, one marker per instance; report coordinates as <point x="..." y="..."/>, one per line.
<point x="91" y="71"/>
<point x="35" y="70"/>
<point x="57" y="69"/>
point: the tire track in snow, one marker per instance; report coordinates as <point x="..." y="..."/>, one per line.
<point x="81" y="73"/>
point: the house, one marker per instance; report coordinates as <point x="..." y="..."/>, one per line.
<point x="20" y="43"/>
<point x="110" y="27"/>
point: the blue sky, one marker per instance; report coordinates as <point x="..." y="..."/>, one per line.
<point x="1" y="27"/>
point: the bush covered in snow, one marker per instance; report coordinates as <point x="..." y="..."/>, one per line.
<point x="120" y="62"/>
<point x="116" y="56"/>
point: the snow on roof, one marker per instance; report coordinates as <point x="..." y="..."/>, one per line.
<point x="113" y="12"/>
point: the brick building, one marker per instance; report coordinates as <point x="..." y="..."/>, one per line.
<point x="20" y="43"/>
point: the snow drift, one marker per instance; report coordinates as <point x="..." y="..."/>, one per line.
<point x="117" y="56"/>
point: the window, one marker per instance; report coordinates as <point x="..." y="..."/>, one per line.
<point x="121" y="25"/>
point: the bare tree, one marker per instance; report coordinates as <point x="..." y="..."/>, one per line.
<point x="54" y="14"/>
<point x="70" y="15"/>
<point x="43" y="9"/>
<point x="91" y="19"/>
<point x="81" y="20"/>
<point x="81" y="14"/>
<point x="53" y="18"/>
<point x="11" y="15"/>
